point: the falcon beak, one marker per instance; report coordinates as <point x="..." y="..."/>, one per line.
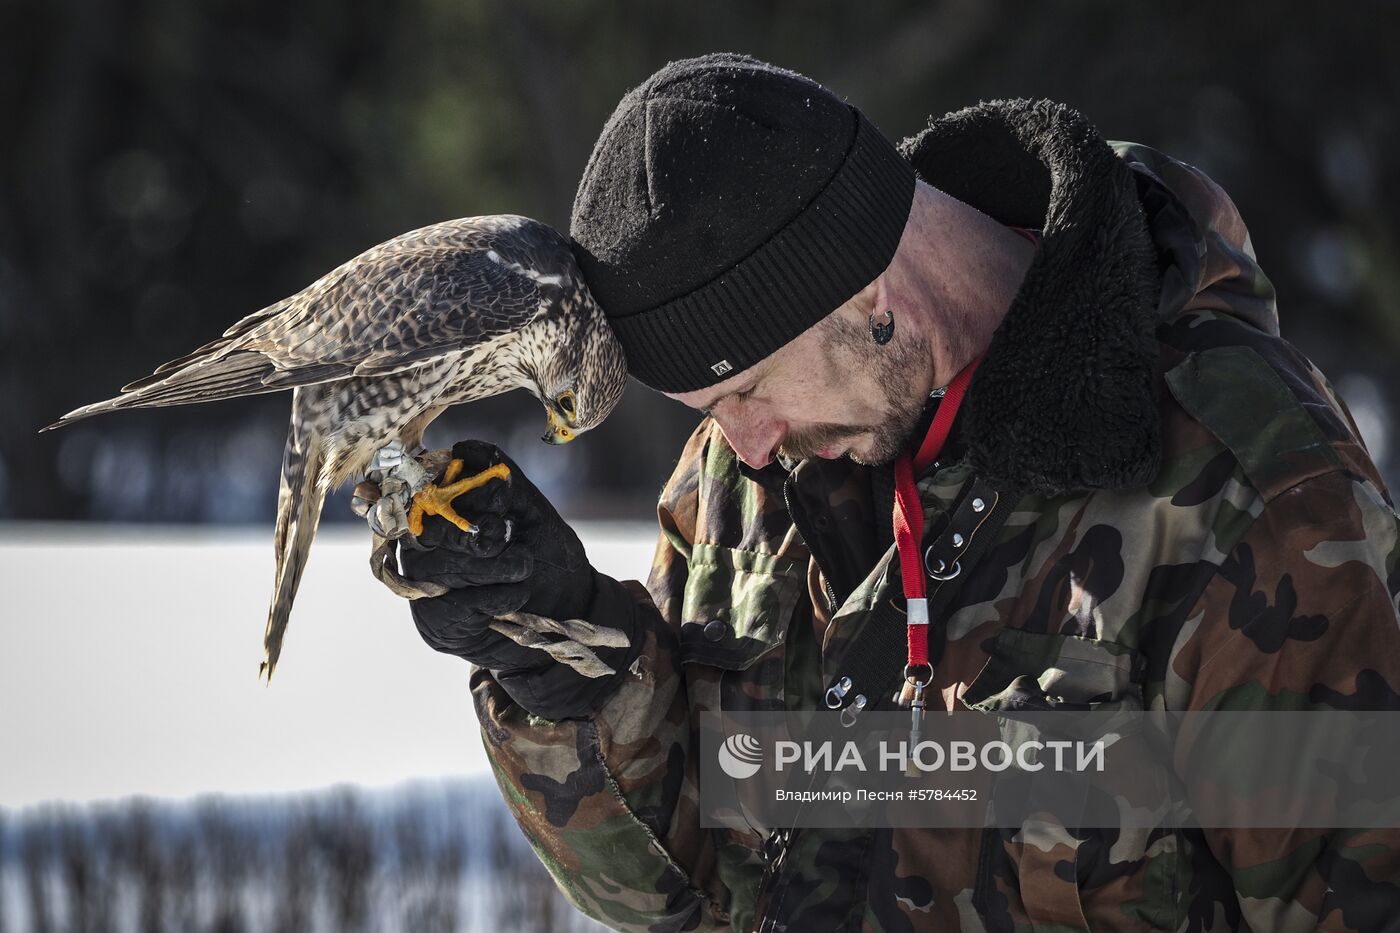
<point x="558" y="431"/>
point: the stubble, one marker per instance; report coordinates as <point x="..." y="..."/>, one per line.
<point x="893" y="368"/>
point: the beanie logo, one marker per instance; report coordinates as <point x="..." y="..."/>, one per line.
<point x="722" y="367"/>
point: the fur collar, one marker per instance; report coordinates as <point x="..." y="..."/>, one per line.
<point x="1065" y="398"/>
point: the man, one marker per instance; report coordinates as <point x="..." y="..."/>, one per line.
<point x="1186" y="517"/>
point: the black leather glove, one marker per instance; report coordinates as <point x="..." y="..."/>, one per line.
<point x="523" y="559"/>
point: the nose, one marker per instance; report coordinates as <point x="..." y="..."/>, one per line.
<point x="753" y="439"/>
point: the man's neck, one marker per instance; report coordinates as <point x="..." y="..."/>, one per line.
<point x="959" y="276"/>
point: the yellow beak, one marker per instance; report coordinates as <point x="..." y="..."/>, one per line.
<point x="557" y="431"/>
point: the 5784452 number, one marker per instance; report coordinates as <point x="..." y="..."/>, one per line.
<point x="939" y="793"/>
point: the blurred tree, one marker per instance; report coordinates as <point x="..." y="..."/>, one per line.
<point x="36" y="854"/>
<point x="181" y="880"/>
<point x="295" y="882"/>
<point x="347" y="850"/>
<point x="176" y="166"/>
<point x="339" y="860"/>
<point x="228" y="861"/>
<point x="79" y="872"/>
<point x="444" y="884"/>
<point x="142" y="859"/>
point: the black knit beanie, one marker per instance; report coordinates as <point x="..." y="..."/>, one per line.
<point x="727" y="207"/>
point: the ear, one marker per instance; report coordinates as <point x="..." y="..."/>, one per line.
<point x="863" y="303"/>
<point x="873" y="296"/>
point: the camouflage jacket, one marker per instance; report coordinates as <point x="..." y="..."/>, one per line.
<point x="1200" y="526"/>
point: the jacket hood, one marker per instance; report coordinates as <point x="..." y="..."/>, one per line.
<point x="1065" y="398"/>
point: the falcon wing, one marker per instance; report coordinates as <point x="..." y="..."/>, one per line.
<point x="421" y="295"/>
<point x="392" y="313"/>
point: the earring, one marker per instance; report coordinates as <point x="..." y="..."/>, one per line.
<point x="882" y="331"/>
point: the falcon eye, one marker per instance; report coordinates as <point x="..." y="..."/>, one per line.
<point x="566" y="404"/>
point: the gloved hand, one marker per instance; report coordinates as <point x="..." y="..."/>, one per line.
<point x="523" y="577"/>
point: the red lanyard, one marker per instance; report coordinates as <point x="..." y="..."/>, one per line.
<point x="909" y="514"/>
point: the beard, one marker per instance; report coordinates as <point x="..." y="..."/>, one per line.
<point x="849" y="347"/>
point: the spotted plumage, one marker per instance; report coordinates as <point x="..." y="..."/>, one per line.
<point x="377" y="348"/>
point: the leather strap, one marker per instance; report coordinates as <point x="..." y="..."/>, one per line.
<point x="873" y="663"/>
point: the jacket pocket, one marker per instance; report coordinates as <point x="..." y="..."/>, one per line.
<point x="1032" y="670"/>
<point x="736" y="608"/>
<point x="737" y="605"/>
<point x="1050" y="863"/>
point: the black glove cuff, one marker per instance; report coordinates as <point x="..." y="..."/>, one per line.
<point x="556" y="691"/>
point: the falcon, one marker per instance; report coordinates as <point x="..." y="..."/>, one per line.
<point x="377" y="348"/>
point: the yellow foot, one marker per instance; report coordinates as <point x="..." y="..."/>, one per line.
<point x="437" y="500"/>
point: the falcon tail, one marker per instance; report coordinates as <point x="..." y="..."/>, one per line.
<point x="238" y="374"/>
<point x="299" y="503"/>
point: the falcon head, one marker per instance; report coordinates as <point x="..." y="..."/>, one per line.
<point x="582" y="380"/>
<point x="568" y="357"/>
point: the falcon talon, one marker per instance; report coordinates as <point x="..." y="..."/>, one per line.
<point x="388" y="518"/>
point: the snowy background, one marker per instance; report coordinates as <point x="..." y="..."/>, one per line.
<point x="131" y="658"/>
<point x="149" y="778"/>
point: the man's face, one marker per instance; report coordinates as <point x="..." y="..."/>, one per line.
<point x="831" y="392"/>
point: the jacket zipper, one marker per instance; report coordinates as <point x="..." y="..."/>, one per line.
<point x="832" y="602"/>
<point x="775" y="847"/>
<point x="774" y="850"/>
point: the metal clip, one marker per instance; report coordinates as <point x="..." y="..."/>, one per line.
<point x="938" y="568"/>
<point x="836" y="694"/>
<point x="916" y="712"/>
<point x="916" y="716"/>
<point x="849" y="714"/>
